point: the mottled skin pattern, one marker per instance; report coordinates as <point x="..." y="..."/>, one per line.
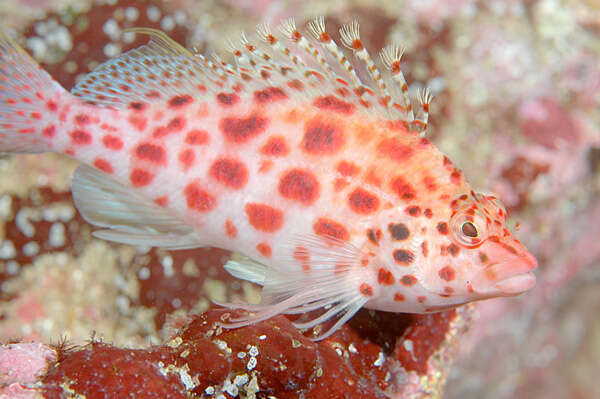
<point x="253" y="170"/>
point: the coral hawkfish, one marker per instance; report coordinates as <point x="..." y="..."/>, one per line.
<point x="309" y="164"/>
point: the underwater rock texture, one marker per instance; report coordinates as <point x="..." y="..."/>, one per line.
<point x="517" y="108"/>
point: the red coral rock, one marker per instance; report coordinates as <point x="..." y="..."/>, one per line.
<point x="102" y="371"/>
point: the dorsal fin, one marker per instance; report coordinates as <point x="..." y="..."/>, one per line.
<point x="304" y="71"/>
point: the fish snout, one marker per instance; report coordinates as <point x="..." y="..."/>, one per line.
<point x="509" y="272"/>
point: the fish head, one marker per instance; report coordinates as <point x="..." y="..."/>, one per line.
<point x="479" y="257"/>
<point x="461" y="254"/>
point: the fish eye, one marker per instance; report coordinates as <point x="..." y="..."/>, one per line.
<point x="469" y="229"/>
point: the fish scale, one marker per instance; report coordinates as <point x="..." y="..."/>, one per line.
<point x="322" y="185"/>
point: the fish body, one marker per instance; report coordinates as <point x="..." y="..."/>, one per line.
<point x="323" y="186"/>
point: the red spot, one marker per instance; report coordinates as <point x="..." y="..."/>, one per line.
<point x="366" y="289"/>
<point x="197" y="137"/>
<point x="264" y="217"/>
<point x="299" y="185"/>
<point x="424" y="249"/>
<point x="227" y="99"/>
<point x="180" y="101"/>
<point x="398" y="297"/>
<point x="275" y="146"/>
<point x="175" y="125"/>
<point x="112" y="142"/>
<point x="330" y="228"/>
<point x="240" y="130"/>
<point x="363" y="202"/>
<point x="332" y="103"/>
<point x="81" y="137"/>
<point x="270" y="94"/>
<point x="265" y="166"/>
<point x="408" y="280"/>
<point x="447" y="273"/>
<point x="198" y="199"/>
<point x="51" y="105"/>
<point x="372" y="178"/>
<point x="322" y="138"/>
<point x="49" y="131"/>
<point x="395" y="150"/>
<point x="430" y="183"/>
<point x="229" y="172"/>
<point x="103" y="165"/>
<point x="82" y="119"/>
<point x="347" y="168"/>
<point x="230" y="229"/>
<point x="151" y="152"/>
<point x="295" y="84"/>
<point x="302" y="255"/>
<point x="421" y="299"/>
<point x="403" y="256"/>
<point x="162" y="201"/>
<point x="455" y="176"/>
<point x="140" y="178"/>
<point x="448" y="291"/>
<point x="36" y="115"/>
<point x="264" y="249"/>
<point x="138" y="105"/>
<point x="385" y="277"/>
<point x="26" y="130"/>
<point x="403" y="189"/>
<point x="138" y="123"/>
<point x="339" y="184"/>
<point x="428" y="213"/>
<point x="187" y="157"/>
<point x="413" y="210"/>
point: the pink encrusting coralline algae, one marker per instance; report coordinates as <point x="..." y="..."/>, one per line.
<point x="312" y="168"/>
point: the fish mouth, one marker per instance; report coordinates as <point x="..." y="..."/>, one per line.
<point x="506" y="278"/>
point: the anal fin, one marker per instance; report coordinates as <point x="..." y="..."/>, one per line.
<point x="129" y="218"/>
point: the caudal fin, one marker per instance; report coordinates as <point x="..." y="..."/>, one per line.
<point x="29" y="100"/>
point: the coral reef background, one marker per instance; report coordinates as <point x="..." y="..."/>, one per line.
<point x="517" y="107"/>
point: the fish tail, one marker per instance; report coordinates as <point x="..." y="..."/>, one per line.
<point x="29" y="101"/>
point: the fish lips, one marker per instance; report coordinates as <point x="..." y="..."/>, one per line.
<point x="509" y="277"/>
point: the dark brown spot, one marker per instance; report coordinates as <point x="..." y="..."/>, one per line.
<point x="447" y="273"/>
<point x="442" y="227"/>
<point x="374" y="235"/>
<point x="408" y="280"/>
<point x="403" y="256"/>
<point x="453" y="249"/>
<point x="399" y="231"/>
